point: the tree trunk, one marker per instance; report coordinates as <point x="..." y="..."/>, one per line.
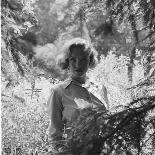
<point x="133" y="51"/>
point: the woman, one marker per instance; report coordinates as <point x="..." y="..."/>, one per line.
<point x="67" y="98"/>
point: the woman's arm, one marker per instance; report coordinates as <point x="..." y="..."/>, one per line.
<point x="55" y="130"/>
<point x="54" y="110"/>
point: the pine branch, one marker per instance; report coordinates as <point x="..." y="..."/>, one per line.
<point x="150" y="136"/>
<point x="145" y="82"/>
<point x="148" y="36"/>
<point x="128" y="117"/>
<point x="132" y="114"/>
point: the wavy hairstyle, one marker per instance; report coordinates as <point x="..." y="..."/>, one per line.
<point x="63" y="58"/>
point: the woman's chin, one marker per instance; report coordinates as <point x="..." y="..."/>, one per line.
<point x="78" y="74"/>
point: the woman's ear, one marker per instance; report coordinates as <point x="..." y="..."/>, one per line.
<point x="66" y="64"/>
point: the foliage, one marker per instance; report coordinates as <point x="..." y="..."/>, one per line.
<point x="123" y="34"/>
<point x="97" y="132"/>
<point x="140" y="17"/>
<point x="17" y="18"/>
<point x="24" y="117"/>
<point x="47" y="31"/>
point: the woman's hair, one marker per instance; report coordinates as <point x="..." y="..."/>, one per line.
<point x="63" y="58"/>
<point x="30" y="37"/>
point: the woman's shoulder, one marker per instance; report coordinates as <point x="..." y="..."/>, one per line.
<point x="60" y="86"/>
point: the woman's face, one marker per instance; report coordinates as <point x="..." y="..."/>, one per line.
<point x="78" y="62"/>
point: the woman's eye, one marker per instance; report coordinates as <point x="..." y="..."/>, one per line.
<point x="83" y="60"/>
<point x="72" y="59"/>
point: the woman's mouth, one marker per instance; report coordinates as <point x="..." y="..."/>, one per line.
<point x="79" y="71"/>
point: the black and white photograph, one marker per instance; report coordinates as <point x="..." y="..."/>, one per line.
<point x="77" y="77"/>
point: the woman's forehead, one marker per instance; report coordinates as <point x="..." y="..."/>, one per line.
<point x="79" y="52"/>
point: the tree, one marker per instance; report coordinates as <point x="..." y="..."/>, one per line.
<point x="47" y="31"/>
<point x="135" y="13"/>
<point x="17" y="18"/>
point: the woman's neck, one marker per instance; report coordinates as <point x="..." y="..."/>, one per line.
<point x="80" y="80"/>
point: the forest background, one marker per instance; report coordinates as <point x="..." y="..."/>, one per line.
<point x="122" y="32"/>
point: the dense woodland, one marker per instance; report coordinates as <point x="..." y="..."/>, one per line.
<point x="122" y="32"/>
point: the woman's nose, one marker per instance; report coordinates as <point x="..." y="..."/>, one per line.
<point x="77" y="63"/>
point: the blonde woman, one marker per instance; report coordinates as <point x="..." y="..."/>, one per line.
<point x="69" y="97"/>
